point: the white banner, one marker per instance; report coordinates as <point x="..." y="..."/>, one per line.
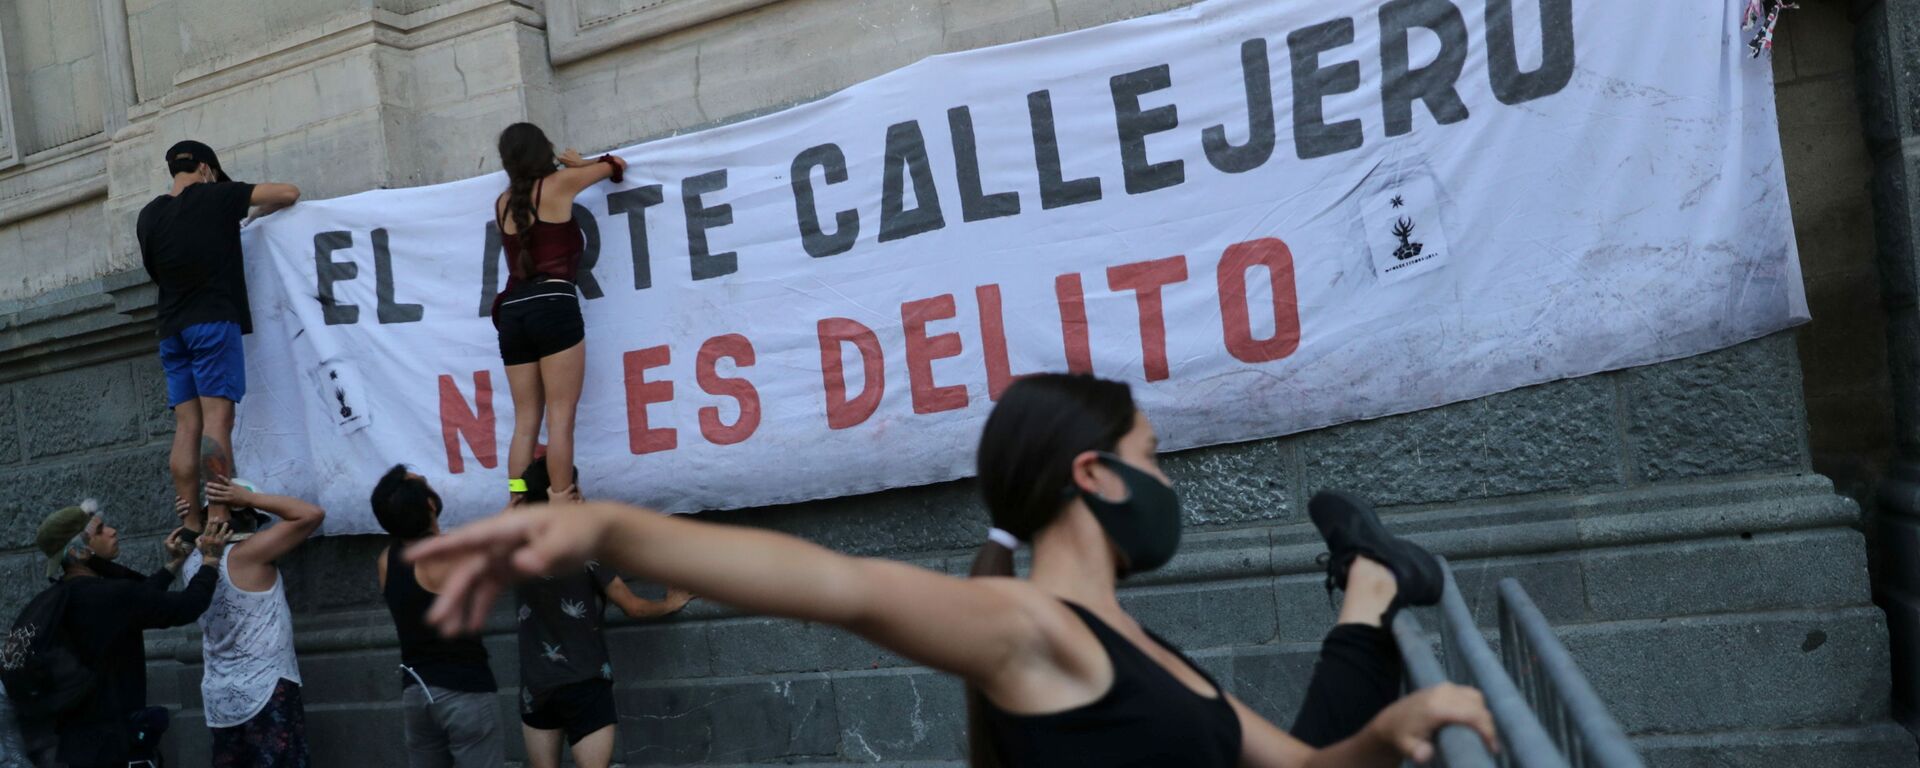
<point x="1268" y="217"/>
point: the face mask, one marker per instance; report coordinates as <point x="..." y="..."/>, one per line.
<point x="1146" y="526"/>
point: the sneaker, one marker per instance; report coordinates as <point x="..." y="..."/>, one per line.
<point x="1352" y="529"/>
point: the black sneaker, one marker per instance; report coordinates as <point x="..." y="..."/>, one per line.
<point x="1352" y="529"/>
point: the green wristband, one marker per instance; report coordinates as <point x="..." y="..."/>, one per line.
<point x="516" y="485"/>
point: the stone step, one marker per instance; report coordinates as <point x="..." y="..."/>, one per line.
<point x="1675" y="603"/>
<point x="1881" y="745"/>
<point x="1826" y="669"/>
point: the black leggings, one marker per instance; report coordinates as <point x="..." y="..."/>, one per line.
<point x="1357" y="676"/>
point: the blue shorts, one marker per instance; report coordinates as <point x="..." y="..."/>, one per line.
<point x="204" y="360"/>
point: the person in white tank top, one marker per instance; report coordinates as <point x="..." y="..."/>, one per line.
<point x="251" y="684"/>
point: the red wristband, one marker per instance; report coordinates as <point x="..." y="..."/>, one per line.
<point x="619" y="172"/>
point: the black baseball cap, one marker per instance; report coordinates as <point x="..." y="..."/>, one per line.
<point x="196" y="151"/>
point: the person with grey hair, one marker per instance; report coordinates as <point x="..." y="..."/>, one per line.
<point x="104" y="616"/>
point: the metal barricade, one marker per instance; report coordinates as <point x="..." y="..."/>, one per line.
<point x="1457" y="746"/>
<point x="1525" y="741"/>
<point x="1546" y="674"/>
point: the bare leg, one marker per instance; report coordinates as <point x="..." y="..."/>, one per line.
<point x="529" y="401"/>
<point x="184" y="461"/>
<point x="217" y="427"/>
<point x="596" y="750"/>
<point x="1370" y="590"/>
<point x="562" y="373"/>
<point x="543" y="747"/>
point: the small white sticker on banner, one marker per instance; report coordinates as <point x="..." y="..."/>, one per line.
<point x="1403" y="226"/>
<point x="337" y="382"/>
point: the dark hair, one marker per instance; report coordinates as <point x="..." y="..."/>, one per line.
<point x="184" y="164"/>
<point x="1025" y="467"/>
<point x="527" y="156"/>
<point x="539" y="482"/>
<point x="405" y="506"/>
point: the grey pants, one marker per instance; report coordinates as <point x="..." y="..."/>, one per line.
<point x="457" y="730"/>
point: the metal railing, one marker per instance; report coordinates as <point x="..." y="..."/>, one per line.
<point x="1526" y="742"/>
<point x="1457" y="746"/>
<point x="1543" y="670"/>
<point x="1547" y="714"/>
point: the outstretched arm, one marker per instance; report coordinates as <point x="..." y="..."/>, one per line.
<point x="159" y="609"/>
<point x="637" y="607"/>
<point x="977" y="629"/>
<point x="581" y="173"/>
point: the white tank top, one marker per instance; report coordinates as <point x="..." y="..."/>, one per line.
<point x="247" y="638"/>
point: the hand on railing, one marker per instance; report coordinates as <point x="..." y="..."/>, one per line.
<point x="1409" y="725"/>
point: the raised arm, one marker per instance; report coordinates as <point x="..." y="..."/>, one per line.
<point x="249" y="559"/>
<point x="971" y="628"/>
<point x="274" y="196"/>
<point x="581" y="173"/>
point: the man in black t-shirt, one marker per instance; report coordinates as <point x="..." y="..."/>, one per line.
<point x="190" y="244"/>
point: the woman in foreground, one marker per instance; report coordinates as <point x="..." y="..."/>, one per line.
<point x="1058" y="673"/>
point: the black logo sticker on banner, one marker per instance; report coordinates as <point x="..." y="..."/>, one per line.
<point x="1403" y="228"/>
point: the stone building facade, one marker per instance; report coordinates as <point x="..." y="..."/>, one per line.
<point x="1669" y="518"/>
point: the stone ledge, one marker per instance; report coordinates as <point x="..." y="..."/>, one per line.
<point x="1879" y="746"/>
<point x="100" y="320"/>
<point x="569" y="40"/>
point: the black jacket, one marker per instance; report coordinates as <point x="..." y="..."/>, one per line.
<point x="106" y="615"/>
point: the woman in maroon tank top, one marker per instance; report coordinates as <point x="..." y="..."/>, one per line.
<point x="542" y="335"/>
<point x="1058" y="673"/>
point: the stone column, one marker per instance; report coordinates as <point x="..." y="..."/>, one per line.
<point x="116" y="64"/>
<point x="1888" y="50"/>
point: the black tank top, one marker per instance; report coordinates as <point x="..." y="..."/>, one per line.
<point x="459" y="664"/>
<point x="1148" y="718"/>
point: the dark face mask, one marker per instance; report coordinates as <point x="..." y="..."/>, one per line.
<point x="1145" y="527"/>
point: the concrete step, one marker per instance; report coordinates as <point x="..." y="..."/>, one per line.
<point x="1882" y="745"/>
<point x="1735" y="609"/>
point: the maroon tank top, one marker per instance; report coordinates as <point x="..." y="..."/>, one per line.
<point x="556" y="248"/>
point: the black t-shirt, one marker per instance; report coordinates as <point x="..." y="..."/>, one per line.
<point x="190" y="244"/>
<point x="560" y="630"/>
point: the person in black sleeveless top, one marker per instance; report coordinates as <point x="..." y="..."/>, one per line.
<point x="1058" y="673"/>
<point x="447" y="690"/>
